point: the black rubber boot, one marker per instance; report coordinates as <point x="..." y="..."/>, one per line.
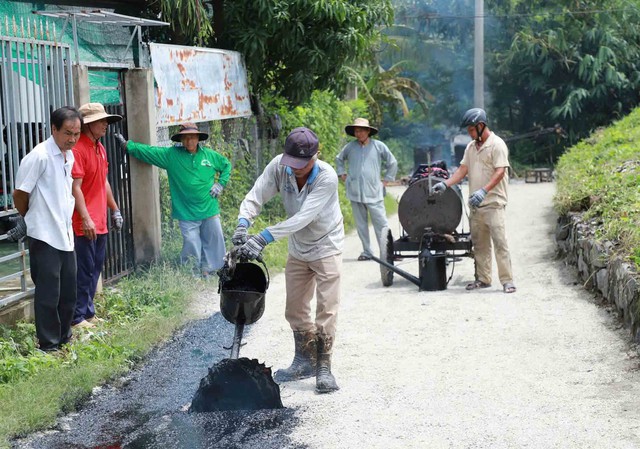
<point x="304" y="360"/>
<point x="325" y="382"/>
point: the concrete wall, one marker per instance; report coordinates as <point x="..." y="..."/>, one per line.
<point x="81" y="93"/>
<point x="145" y="187"/>
<point x="22" y="310"/>
<point x="600" y="269"/>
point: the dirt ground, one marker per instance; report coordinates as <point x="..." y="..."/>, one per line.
<point x="544" y="367"/>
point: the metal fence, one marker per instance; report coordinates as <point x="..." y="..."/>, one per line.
<point x="120" y="258"/>
<point x="35" y="79"/>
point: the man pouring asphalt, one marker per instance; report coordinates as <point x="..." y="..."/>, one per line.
<point x="309" y="190"/>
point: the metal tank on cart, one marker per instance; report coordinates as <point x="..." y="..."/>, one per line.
<point x="429" y="223"/>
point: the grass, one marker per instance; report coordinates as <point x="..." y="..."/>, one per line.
<point x="31" y="399"/>
<point x="600" y="176"/>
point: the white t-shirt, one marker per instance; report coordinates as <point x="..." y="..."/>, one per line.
<point x="46" y="177"/>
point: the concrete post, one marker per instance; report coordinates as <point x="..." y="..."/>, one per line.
<point x="478" y="56"/>
<point x="80" y="84"/>
<point x="145" y="186"/>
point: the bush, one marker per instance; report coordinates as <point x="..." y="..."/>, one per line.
<point x="601" y="176"/>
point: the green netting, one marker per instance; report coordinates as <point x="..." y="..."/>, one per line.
<point x="104" y="87"/>
<point x="101" y="43"/>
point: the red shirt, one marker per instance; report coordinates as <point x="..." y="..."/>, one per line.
<point x="91" y="165"/>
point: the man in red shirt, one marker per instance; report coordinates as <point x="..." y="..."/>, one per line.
<point x="93" y="194"/>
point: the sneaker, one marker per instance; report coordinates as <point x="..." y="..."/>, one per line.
<point x="95" y="320"/>
<point x="83" y="323"/>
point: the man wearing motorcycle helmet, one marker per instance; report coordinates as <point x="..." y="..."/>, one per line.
<point x="486" y="163"/>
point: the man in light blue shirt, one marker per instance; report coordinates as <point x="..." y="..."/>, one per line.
<point x="359" y="165"/>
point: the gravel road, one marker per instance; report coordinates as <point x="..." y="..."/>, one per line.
<point x="545" y="367"/>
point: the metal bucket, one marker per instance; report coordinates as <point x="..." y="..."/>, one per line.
<point x="242" y="296"/>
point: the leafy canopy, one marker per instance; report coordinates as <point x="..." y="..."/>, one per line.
<point x="574" y="63"/>
<point x="293" y="47"/>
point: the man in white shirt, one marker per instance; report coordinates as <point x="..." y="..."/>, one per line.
<point x="43" y="197"/>
<point x="309" y="190"/>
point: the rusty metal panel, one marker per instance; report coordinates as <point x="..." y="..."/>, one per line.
<point x="196" y="84"/>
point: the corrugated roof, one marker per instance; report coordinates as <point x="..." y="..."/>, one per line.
<point x="102" y="17"/>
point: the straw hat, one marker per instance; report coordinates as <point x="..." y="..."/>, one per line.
<point x="189" y="128"/>
<point x="92" y="112"/>
<point x="360" y="123"/>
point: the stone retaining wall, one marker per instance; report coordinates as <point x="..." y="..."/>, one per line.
<point x="600" y="269"/>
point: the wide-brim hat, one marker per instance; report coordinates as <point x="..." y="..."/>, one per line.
<point x="92" y="112"/>
<point x="360" y="123"/>
<point x="189" y="128"/>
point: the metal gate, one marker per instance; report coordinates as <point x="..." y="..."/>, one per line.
<point x="120" y="258"/>
<point x="35" y="79"/>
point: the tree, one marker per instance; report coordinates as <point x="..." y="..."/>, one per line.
<point x="291" y="47"/>
<point x="575" y="64"/>
<point x="386" y="88"/>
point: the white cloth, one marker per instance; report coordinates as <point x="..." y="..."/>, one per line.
<point x="314" y="224"/>
<point x="364" y="166"/>
<point x="46" y="177"/>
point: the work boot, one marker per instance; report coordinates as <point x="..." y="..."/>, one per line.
<point x="304" y="360"/>
<point x="325" y="382"/>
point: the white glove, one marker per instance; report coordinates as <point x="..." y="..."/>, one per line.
<point x="477" y="197"/>
<point x="438" y="188"/>
<point x="216" y="190"/>
<point x="117" y="219"/>
<point x="254" y="246"/>
<point x="19" y="231"/>
<point x="240" y="235"/>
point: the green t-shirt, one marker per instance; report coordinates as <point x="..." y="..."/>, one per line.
<point x="190" y="177"/>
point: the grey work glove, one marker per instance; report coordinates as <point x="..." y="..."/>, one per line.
<point x="438" y="188"/>
<point x="254" y="246"/>
<point x="216" y="190"/>
<point x="240" y="235"/>
<point x="477" y="197"/>
<point x="19" y="231"/>
<point x="117" y="219"/>
<point x="121" y="141"/>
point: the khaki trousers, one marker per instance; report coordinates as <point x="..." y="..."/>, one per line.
<point x="302" y="278"/>
<point x="487" y="227"/>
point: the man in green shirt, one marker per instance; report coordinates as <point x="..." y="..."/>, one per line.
<point x="197" y="175"/>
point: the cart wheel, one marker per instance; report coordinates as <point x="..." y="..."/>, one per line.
<point x="386" y="254"/>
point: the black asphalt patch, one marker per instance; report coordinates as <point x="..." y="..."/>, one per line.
<point x="148" y="409"/>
